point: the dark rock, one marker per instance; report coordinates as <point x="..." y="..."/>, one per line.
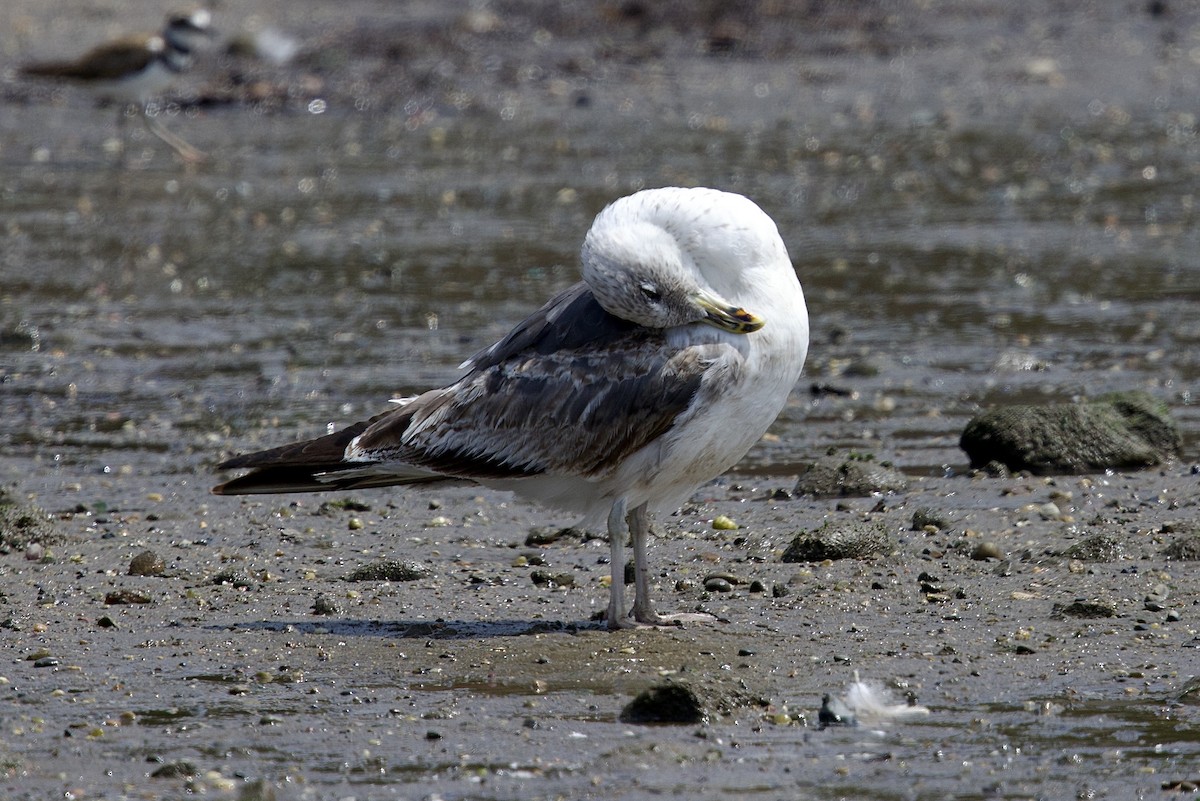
<point x="343" y="505"/>
<point x="175" y="770"/>
<point x="986" y="550"/>
<point x="233" y="578"/>
<point x="666" y="703"/>
<point x="389" y="570"/>
<point x="840" y="541"/>
<point x="146" y="563"/>
<point x="547" y="535"/>
<point x="834" y="476"/>
<point x="126" y="597"/>
<point x="1118" y="430"/>
<point x="1085" y="609"/>
<point x="1185" y="547"/>
<point x="835" y="713"/>
<point x="1096" y="548"/>
<point x="929" y="517"/>
<point x="546" y="578"/>
<point x="24" y="524"/>
<point x="324" y="605"/>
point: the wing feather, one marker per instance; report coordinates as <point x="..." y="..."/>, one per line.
<point x="571" y="390"/>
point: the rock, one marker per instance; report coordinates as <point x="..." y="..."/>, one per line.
<point x="986" y="550"/>
<point x="1096" y="548"/>
<point x="1185" y="547"/>
<point x="835" y="713"/>
<point x="546" y="578"/>
<point x="146" y="563"/>
<point x="22" y="525"/>
<point x="837" y="476"/>
<point x="175" y="770"/>
<point x="547" y="535"/>
<point x="389" y="570"/>
<point x="324" y="605"/>
<point x="926" y="516"/>
<point x="840" y="541"/>
<point x="1118" y="430"/>
<point x="666" y="703"/>
<point x="1085" y="609"/>
<point x="126" y="597"/>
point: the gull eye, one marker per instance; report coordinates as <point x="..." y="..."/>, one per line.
<point x="650" y="292"/>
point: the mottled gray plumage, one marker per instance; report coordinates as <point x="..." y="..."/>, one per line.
<point x="619" y="397"/>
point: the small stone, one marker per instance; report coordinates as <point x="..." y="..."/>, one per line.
<point x="390" y="570"/>
<point x="546" y="578"/>
<point x="175" y="770"/>
<point x="1085" y="609"/>
<point x="717" y="584"/>
<point x="986" y="550"/>
<point x="547" y="535"/>
<point x="354" y="523"/>
<point x="106" y="622"/>
<point x="834" y="712"/>
<point x="724" y="523"/>
<point x="757" y="586"/>
<point x="126" y="597"/>
<point x="323" y="605"/>
<point x="925" y="518"/>
<point x="146" y="563"/>
<point x="666" y="703"/>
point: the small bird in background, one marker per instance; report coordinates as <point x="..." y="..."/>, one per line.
<point x="136" y="69"/>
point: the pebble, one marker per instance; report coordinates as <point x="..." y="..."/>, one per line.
<point x="717" y="584"/>
<point x="926" y="518"/>
<point x="724" y="523"/>
<point x="146" y="563"/>
<point x="986" y="550"/>
<point x="667" y="703"/>
<point x="546" y="578"/>
<point x="322" y="605"/>
<point x="126" y="597"/>
<point x="390" y="570"/>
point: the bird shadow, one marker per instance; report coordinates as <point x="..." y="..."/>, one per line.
<point x="419" y="629"/>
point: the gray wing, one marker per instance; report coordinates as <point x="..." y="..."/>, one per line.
<point x="571" y="390"/>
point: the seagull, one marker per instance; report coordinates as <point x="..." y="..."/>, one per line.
<point x="136" y="69"/>
<point x="617" y="399"/>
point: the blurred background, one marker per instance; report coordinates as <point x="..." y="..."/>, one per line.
<point x="986" y="203"/>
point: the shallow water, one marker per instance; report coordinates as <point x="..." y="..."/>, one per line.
<point x="943" y="272"/>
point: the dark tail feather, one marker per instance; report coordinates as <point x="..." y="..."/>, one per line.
<point x="314" y="478"/>
<point x="314" y="466"/>
<point x="294" y="467"/>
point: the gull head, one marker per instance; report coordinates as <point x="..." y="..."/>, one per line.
<point x="641" y="263"/>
